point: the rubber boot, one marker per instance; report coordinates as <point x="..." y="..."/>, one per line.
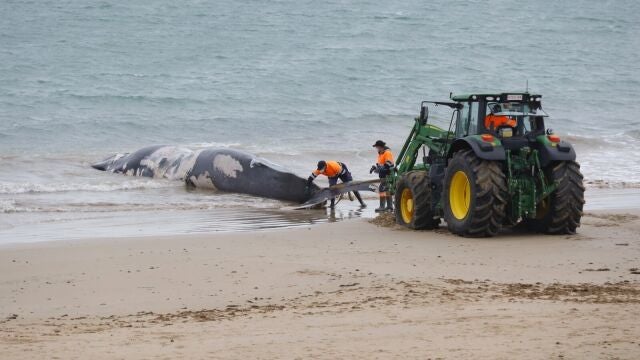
<point x="390" y="203"/>
<point x="382" y="202"/>
<point x="362" y="204"/>
<point x="333" y="203"/>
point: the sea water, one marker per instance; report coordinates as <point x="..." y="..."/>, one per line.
<point x="292" y="81"/>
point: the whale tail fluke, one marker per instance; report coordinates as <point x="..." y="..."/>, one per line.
<point x="318" y="197"/>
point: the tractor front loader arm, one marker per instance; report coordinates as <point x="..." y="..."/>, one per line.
<point x="430" y="136"/>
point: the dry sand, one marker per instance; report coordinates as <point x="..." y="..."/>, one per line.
<point x="346" y="290"/>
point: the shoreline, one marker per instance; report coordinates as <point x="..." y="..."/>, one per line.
<point x="331" y="290"/>
<point x="98" y="225"/>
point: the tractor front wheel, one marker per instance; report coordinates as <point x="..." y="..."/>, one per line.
<point x="475" y="195"/>
<point x="561" y="211"/>
<point x="413" y="201"/>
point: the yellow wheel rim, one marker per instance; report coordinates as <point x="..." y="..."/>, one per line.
<point x="406" y="206"/>
<point x="460" y="195"/>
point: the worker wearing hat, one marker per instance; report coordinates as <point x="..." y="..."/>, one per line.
<point x="383" y="167"/>
<point x="334" y="170"/>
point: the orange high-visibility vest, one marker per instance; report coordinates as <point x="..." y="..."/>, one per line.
<point x="494" y="121"/>
<point x="384" y="157"/>
<point x="332" y="169"/>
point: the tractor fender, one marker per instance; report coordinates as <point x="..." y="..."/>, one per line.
<point x="483" y="150"/>
<point x="550" y="152"/>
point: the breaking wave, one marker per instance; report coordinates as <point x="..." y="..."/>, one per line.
<point x="7" y="188"/>
<point x="12" y="206"/>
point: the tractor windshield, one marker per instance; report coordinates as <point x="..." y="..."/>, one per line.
<point x="521" y="112"/>
<point x="512" y="109"/>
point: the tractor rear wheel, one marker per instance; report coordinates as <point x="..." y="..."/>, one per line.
<point x="561" y="211"/>
<point x="475" y="195"/>
<point x="413" y="201"/>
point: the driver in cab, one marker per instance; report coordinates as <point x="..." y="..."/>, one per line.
<point x="493" y="121"/>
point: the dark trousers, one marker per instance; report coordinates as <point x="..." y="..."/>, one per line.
<point x="384" y="184"/>
<point x="344" y="176"/>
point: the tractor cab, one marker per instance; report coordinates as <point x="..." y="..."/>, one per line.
<point x="503" y="115"/>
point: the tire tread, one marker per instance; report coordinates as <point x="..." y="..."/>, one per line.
<point x="489" y="212"/>
<point x="420" y="185"/>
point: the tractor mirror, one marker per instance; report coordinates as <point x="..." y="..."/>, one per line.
<point x="424" y="114"/>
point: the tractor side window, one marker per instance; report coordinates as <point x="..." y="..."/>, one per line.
<point x="463" y="120"/>
<point x="537" y="124"/>
<point x="473" y="121"/>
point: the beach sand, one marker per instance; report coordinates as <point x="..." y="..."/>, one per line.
<point x="354" y="289"/>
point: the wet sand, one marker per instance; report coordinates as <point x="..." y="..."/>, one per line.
<point x="206" y="212"/>
<point x="353" y="289"/>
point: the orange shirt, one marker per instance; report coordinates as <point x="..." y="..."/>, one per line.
<point x="494" y="121"/>
<point x="333" y="169"/>
<point x="384" y="157"/>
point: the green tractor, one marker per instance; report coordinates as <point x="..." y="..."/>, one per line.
<point x="495" y="166"/>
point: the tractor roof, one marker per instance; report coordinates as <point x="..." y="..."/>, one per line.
<point x="516" y="96"/>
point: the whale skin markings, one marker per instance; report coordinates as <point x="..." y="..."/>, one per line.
<point x="258" y="161"/>
<point x="169" y="162"/>
<point x="227" y="165"/>
<point x="203" y="181"/>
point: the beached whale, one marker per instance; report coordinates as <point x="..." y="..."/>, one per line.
<point x="222" y="169"/>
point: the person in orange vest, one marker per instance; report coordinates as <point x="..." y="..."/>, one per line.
<point x="493" y="121"/>
<point x="383" y="167"/>
<point x="335" y="171"/>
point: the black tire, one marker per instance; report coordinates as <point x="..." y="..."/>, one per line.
<point x="419" y="186"/>
<point x="487" y="199"/>
<point x="562" y="210"/>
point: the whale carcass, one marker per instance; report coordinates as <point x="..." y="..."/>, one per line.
<point x="213" y="168"/>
